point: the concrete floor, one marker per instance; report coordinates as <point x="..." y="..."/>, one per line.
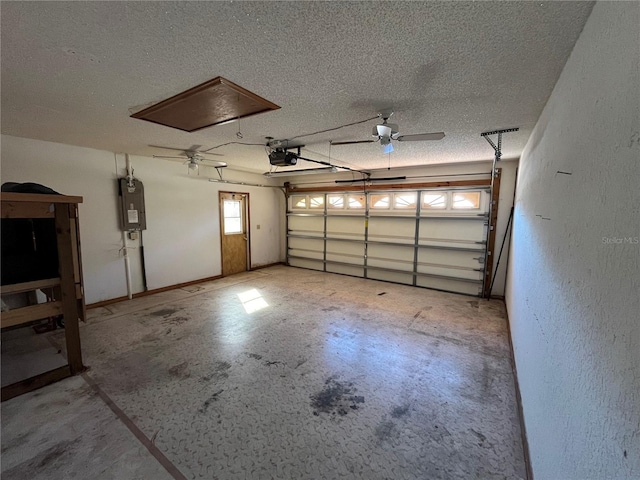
<point x="26" y="354"/>
<point x="279" y="373"/>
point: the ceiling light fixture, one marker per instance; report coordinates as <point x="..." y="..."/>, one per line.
<point x="308" y="171"/>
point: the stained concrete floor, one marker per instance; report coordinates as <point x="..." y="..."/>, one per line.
<point x="279" y="373"/>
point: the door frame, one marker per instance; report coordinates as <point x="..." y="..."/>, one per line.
<point x="247" y="217"/>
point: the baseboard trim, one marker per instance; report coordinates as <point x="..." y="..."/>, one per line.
<point x="152" y="292"/>
<point x="177" y="285"/>
<point x="259" y="267"/>
<point x="104" y="303"/>
<point x="111" y="301"/>
<point x="523" y="428"/>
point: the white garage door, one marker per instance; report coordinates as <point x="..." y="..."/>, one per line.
<point x="429" y="238"/>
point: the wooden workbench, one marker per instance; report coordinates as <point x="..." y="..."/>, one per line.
<point x="69" y="300"/>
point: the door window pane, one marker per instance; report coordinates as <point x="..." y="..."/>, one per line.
<point x="232" y="216"/>
<point x="231" y="208"/>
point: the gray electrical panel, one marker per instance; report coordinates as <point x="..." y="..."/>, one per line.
<point x="132" y="213"/>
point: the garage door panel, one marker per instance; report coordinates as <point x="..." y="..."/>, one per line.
<point x="304" y="263"/>
<point x="397" y="230"/>
<point x="346" y="227"/>
<point x="303" y="253"/>
<point x="306" y="248"/>
<point x="461" y="273"/>
<point x="434" y="229"/>
<point x="455" y="286"/>
<point x="374" y="235"/>
<point x="454" y="258"/>
<point x="345" y="252"/>
<point x="306" y="243"/>
<point x="395" y="277"/>
<point x="391" y="257"/>
<point x="307" y="224"/>
<point x="345" y="270"/>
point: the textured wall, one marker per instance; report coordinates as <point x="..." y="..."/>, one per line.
<point x="182" y="240"/>
<point x="573" y="293"/>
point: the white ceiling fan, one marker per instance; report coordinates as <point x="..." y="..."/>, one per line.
<point x="385" y="133"/>
<point x="194" y="156"/>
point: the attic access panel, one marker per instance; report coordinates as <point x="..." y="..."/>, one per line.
<point x="211" y="103"/>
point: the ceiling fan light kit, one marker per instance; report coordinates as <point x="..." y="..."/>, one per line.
<point x="385" y="133"/>
<point x="194" y="156"/>
<point x="385" y="130"/>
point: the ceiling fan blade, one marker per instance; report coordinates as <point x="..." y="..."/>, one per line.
<point x="185" y="152"/>
<point x="387" y="148"/>
<point x="213" y="163"/>
<point x="167" y="156"/>
<point x="420" y="137"/>
<point x="211" y="153"/>
<point x="354" y="142"/>
<point x="168" y="148"/>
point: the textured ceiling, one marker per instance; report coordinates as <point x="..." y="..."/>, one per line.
<point x="73" y="72"/>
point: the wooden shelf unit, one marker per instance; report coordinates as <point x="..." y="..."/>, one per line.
<point x="68" y="286"/>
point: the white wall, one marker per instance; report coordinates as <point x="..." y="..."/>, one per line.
<point x="182" y="240"/>
<point x="77" y="171"/>
<point x="573" y="299"/>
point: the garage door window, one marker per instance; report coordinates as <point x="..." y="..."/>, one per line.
<point x="380" y="201"/>
<point x="316" y="201"/>
<point x="466" y="200"/>
<point x="434" y="200"/>
<point x="299" y="201"/>
<point x="357" y="202"/>
<point x="335" y="201"/>
<point x="405" y="201"/>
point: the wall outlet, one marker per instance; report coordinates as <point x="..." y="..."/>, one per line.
<point x="257" y="227"/>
